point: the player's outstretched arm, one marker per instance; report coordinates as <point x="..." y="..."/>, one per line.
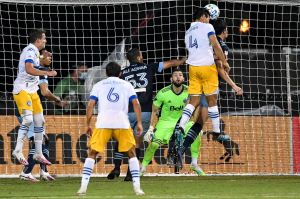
<point x="89" y="115"/>
<point x="224" y="75"/>
<point x="138" y="113"/>
<point x="32" y="71"/>
<point x="174" y="62"/>
<point x="50" y="96"/>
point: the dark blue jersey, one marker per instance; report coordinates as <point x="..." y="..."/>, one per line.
<point x="141" y="75"/>
<point x="223" y="46"/>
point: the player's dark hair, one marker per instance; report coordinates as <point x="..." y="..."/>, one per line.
<point x="219" y="26"/>
<point x="176" y="70"/>
<point x="132" y="54"/>
<point x="36" y="34"/>
<point x="76" y="66"/>
<point x="42" y="50"/>
<point x="200" y="12"/>
<point x="113" y="69"/>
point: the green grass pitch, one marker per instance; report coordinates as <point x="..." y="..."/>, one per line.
<point x="159" y="187"/>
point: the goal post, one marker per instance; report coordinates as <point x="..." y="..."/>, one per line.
<point x="264" y="60"/>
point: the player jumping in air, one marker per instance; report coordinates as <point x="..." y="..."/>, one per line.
<point x="27" y="99"/>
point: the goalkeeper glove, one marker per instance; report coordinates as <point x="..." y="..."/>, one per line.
<point x="149" y="135"/>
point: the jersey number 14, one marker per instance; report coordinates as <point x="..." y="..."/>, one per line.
<point x="192" y="43"/>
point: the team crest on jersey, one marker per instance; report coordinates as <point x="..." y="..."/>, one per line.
<point x="28" y="103"/>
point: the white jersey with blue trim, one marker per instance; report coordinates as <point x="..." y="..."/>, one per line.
<point x="113" y="95"/>
<point x="198" y="44"/>
<point x="25" y="81"/>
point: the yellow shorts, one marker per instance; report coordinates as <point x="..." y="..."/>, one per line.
<point x="203" y="80"/>
<point x="100" y="137"/>
<point x="27" y="101"/>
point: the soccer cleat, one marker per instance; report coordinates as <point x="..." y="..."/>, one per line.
<point x="20" y="157"/>
<point x="46" y="176"/>
<point x="41" y="159"/>
<point x="114" y="173"/>
<point x="143" y="171"/>
<point x="138" y="191"/>
<point x="128" y="178"/>
<point x="81" y="191"/>
<point x="197" y="169"/>
<point x="28" y="177"/>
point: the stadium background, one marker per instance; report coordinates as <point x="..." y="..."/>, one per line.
<point x="89" y="33"/>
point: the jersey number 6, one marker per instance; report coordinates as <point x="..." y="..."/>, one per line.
<point x="112" y="97"/>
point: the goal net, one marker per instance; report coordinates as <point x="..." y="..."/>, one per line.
<point x="264" y="60"/>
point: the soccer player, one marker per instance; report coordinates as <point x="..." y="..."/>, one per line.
<point x="45" y="61"/>
<point x="112" y="95"/>
<point x="212" y="111"/>
<point x="140" y="75"/>
<point x="27" y="99"/>
<point x="169" y="103"/>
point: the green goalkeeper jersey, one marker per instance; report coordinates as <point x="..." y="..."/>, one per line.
<point x="170" y="103"/>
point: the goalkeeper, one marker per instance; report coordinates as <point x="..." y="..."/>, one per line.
<point x="168" y="103"/>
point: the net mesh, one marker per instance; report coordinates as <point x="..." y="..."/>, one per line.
<point x="264" y="63"/>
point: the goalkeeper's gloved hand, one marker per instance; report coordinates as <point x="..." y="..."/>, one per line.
<point x="149" y="135"/>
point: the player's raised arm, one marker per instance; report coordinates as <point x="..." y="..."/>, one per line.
<point x="174" y="62"/>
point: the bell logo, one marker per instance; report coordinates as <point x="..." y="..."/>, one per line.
<point x="174" y="108"/>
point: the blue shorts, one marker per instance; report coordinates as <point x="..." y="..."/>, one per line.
<point x="203" y="101"/>
<point x="146" y="117"/>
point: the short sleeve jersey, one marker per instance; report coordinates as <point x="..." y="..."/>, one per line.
<point x="113" y="95"/>
<point x="25" y="81"/>
<point x="198" y="44"/>
<point x="170" y="103"/>
<point x="141" y="75"/>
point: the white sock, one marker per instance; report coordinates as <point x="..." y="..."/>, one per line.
<point x="135" y="171"/>
<point x="87" y="171"/>
<point x="194" y="161"/>
<point x="23" y="130"/>
<point x="213" y="113"/>
<point x="186" y="115"/>
<point x="38" y="139"/>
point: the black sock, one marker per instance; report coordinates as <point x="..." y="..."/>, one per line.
<point x="31" y="162"/>
<point x="118" y="157"/>
<point x="191" y="136"/>
<point x="171" y="144"/>
<point x="138" y="153"/>
<point x="128" y="172"/>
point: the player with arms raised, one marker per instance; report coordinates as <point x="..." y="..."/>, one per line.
<point x="112" y="95"/>
<point x="27" y="99"/>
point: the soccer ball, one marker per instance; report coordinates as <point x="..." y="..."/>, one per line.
<point x="213" y="10"/>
